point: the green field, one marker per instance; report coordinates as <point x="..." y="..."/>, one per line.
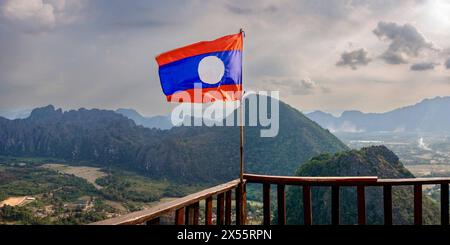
<point x="68" y="193"/>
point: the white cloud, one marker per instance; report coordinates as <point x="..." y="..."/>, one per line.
<point x="29" y="15"/>
<point x="58" y="5"/>
<point x="35" y="16"/>
<point x="308" y="83"/>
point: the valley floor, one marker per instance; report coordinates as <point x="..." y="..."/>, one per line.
<point x="45" y="191"/>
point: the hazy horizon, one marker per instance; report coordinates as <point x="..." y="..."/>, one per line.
<point x="336" y="113"/>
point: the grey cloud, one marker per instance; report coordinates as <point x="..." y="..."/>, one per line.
<point x="447" y="63"/>
<point x="422" y="66"/>
<point x="405" y="42"/>
<point x="326" y="90"/>
<point x="122" y="15"/>
<point x="241" y="10"/>
<point x="89" y="62"/>
<point x="138" y="23"/>
<point x="354" y="59"/>
<point x="343" y="9"/>
<point x="295" y="86"/>
<point x="394" y="58"/>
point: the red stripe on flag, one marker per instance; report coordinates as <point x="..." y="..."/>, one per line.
<point x="205" y="95"/>
<point x="226" y="43"/>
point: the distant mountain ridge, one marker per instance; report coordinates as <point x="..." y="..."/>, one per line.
<point x="187" y="154"/>
<point x="159" y="122"/>
<point x="15" y="114"/>
<point x="429" y="115"/>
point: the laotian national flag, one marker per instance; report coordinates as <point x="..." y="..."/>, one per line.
<point x="203" y="72"/>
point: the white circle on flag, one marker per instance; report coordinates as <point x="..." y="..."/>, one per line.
<point x="211" y="69"/>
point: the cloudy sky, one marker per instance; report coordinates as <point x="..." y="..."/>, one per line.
<point x="320" y="54"/>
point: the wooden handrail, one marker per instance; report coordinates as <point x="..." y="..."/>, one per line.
<point x="142" y="216"/>
<point x="413" y="181"/>
<point x="353" y="180"/>
<point x="296" y="180"/>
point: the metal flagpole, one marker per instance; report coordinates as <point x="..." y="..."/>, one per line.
<point x="241" y="176"/>
<point x="241" y="215"/>
<point x="242" y="141"/>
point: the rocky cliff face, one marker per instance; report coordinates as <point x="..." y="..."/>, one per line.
<point x="188" y="154"/>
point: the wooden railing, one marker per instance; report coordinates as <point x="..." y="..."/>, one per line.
<point x="187" y="208"/>
<point x="360" y="183"/>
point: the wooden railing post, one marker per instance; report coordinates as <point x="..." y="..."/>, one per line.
<point x="208" y="210"/>
<point x="361" y="196"/>
<point x="196" y="208"/>
<point x="191" y="214"/>
<point x="244" y="204"/>
<point x="241" y="204"/>
<point x="228" y="207"/>
<point x="307" y="213"/>
<point x="179" y="216"/>
<point x="281" y="207"/>
<point x="220" y="209"/>
<point x="387" y="203"/>
<point x="266" y="204"/>
<point x="238" y="204"/>
<point x="188" y="215"/>
<point x="417" y="204"/>
<point x="444" y="204"/>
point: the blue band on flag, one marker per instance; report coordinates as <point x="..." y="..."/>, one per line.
<point x="183" y="74"/>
